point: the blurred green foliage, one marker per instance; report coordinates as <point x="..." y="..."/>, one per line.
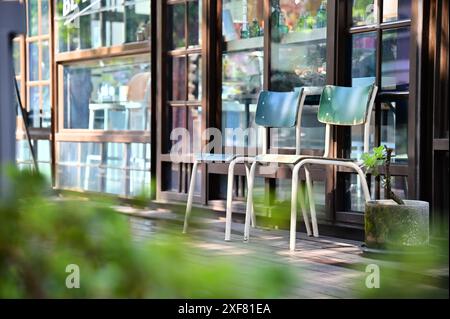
<point x="414" y="274"/>
<point x="40" y="235"/>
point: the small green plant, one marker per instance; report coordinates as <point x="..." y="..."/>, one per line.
<point x="381" y="156"/>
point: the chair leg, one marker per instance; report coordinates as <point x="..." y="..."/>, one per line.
<point x="253" y="220"/>
<point x="293" y="231"/>
<point x="312" y="205"/>
<point x="190" y="197"/>
<point x="251" y="179"/>
<point x="303" y="208"/>
<point x="229" y="200"/>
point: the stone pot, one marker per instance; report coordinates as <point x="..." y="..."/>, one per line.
<point x="393" y="226"/>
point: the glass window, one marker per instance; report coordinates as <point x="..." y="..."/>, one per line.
<point x="394" y="128"/>
<point x="32" y="12"/>
<point x="46" y="106"/>
<point x="395" y="59"/>
<point x="16" y="57"/>
<point x="242" y="69"/>
<point x="44" y="17"/>
<point x="195" y="78"/>
<point x="394" y="10"/>
<point x="242" y="81"/>
<point x="243" y="19"/>
<point x="365" y="12"/>
<point x="194" y="22"/>
<point x="109" y="94"/>
<point x="45" y="63"/>
<point x="298" y="44"/>
<point x="364" y="58"/>
<point x="93" y="24"/>
<point x="177" y="17"/>
<point x="33" y="61"/>
<point x="103" y="167"/>
<point x="34" y="115"/>
<point x="178" y="83"/>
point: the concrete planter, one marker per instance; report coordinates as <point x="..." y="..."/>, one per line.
<point x="393" y="226"/>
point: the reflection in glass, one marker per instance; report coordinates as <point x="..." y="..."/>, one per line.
<point x="16" y="57"/>
<point x="364" y="12"/>
<point x="242" y="19"/>
<point x="396" y="10"/>
<point x="178" y="120"/>
<point x="363" y="58"/>
<point x="178" y="83"/>
<point x="33" y="105"/>
<point x="394" y="128"/>
<point x="312" y="132"/>
<point x="395" y="59"/>
<point x="195" y="128"/>
<point x="194" y="22"/>
<point x="171" y="175"/>
<point x="102" y="23"/>
<point x="45" y="63"/>
<point x="195" y="77"/>
<point x="44" y="17"/>
<point x="33" y="61"/>
<point x="242" y="74"/>
<point x="109" y="94"/>
<point x="43" y="156"/>
<point x="32" y="12"/>
<point x="177" y="21"/>
<point x="103" y="167"/>
<point x="298" y="44"/>
<point x="46" y="108"/>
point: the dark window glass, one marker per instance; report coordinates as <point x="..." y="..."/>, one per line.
<point x="195" y="77"/>
<point x="194" y="22"/>
<point x="178" y="81"/>
<point x="363" y="58"/>
<point x="176" y="19"/>
<point x="394" y="128"/>
<point x="396" y="10"/>
<point x="395" y="59"/>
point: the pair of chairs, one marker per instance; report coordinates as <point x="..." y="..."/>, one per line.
<point x="341" y="106"/>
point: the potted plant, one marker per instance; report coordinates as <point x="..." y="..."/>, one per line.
<point x="393" y="223"/>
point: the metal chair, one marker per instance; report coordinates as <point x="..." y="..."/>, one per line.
<point x="272" y="113"/>
<point x="274" y="109"/>
<point x="359" y="102"/>
<point x="341" y="106"/>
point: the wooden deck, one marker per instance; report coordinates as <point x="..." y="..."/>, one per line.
<point x="326" y="267"/>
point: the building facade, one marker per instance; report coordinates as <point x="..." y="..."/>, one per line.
<point x="105" y="82"/>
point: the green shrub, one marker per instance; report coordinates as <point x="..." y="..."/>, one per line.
<point x="41" y="234"/>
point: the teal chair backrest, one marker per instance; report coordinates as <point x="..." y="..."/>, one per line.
<point x="278" y="109"/>
<point x="344" y="105"/>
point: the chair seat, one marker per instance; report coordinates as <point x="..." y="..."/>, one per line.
<point x="210" y="157"/>
<point x="279" y="158"/>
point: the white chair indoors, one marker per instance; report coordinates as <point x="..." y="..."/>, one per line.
<point x="338" y="106"/>
<point x="277" y="109"/>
